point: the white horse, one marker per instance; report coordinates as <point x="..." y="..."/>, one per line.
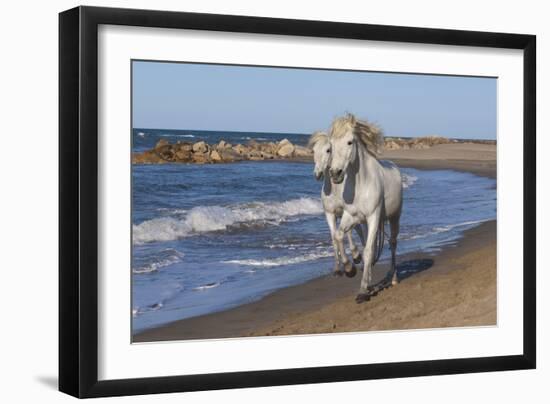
<point x="331" y="197"/>
<point x="373" y="191"/>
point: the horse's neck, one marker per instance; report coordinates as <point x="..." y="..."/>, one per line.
<point x="365" y="165"/>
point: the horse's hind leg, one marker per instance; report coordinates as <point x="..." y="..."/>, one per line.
<point x="394" y="232"/>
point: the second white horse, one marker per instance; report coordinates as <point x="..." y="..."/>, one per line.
<point x="331" y="197"/>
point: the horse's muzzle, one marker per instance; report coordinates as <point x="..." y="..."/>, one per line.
<point x="337" y="176"/>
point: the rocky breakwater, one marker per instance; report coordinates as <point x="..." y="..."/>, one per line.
<point x="222" y="152"/>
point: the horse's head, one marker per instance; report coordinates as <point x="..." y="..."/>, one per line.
<point x="347" y="134"/>
<point x="344" y="146"/>
<point x="321" y="146"/>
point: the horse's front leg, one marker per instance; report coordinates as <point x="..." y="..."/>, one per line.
<point x="331" y="221"/>
<point x="355" y="253"/>
<point x="368" y="256"/>
<point x="346" y="224"/>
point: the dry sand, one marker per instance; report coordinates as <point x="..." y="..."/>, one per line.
<point x="454" y="288"/>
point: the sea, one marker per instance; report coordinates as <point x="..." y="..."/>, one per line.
<point x="208" y="238"/>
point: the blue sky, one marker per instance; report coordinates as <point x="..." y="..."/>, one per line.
<point x="256" y="99"/>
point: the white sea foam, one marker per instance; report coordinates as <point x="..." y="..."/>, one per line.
<point x="207" y="286"/>
<point x="166" y="257"/>
<point x="203" y="219"/>
<point x="408" y="180"/>
<point x="174" y="135"/>
<point x="276" y="262"/>
<point x="453" y="226"/>
<point x="442" y="229"/>
<point x="141" y="134"/>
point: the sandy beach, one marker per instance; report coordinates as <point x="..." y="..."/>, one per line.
<point x="455" y="287"/>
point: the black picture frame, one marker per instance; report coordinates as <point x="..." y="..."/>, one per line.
<point x="78" y="201"/>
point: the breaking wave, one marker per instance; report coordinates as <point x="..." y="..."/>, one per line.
<point x="204" y="219"/>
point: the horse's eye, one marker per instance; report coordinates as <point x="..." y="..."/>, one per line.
<point x="350" y="143"/>
<point x="328" y="150"/>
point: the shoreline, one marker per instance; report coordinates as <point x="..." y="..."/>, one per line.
<point x="326" y="304"/>
<point x="454" y="287"/>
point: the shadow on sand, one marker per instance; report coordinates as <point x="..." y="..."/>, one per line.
<point x="409" y="268"/>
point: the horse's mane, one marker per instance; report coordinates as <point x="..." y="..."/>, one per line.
<point x="316" y="138"/>
<point x="370" y="136"/>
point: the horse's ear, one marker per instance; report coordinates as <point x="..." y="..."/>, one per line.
<point x="352" y="119"/>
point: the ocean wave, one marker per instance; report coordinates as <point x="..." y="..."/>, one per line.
<point x="276" y="262"/>
<point x="408" y="180"/>
<point x="203" y="219"/>
<point x="163" y="259"/>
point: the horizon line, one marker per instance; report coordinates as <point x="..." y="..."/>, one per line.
<point x="299" y="133"/>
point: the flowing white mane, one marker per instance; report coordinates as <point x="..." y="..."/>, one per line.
<point x="368" y="134"/>
<point x="317" y="137"/>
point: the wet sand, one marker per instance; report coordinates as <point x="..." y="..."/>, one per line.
<point x="454" y="288"/>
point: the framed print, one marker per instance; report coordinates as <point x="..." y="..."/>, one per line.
<point x="251" y="201"/>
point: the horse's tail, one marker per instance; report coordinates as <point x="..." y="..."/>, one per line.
<point x="379" y="243"/>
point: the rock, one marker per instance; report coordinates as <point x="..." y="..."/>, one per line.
<point x="147" y="157"/>
<point x="230" y="155"/>
<point x="253" y="144"/>
<point x="267" y="156"/>
<point x="215" y="156"/>
<point x="255" y="155"/>
<point x="183" y="155"/>
<point x="301" y="151"/>
<point x="222" y="145"/>
<point x="286" y="150"/>
<point x="270" y="147"/>
<point x="161" y="143"/>
<point x="166" y="152"/>
<point x="284" y="141"/>
<point x="200" y="147"/>
<point x="200" y="158"/>
<point x="185" y="146"/>
<point x="241" y="149"/>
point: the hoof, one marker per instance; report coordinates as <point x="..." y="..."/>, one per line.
<point x="351" y="271"/>
<point x="362" y="297"/>
<point x="357" y="259"/>
<point x="338" y="273"/>
<point x="394" y="282"/>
